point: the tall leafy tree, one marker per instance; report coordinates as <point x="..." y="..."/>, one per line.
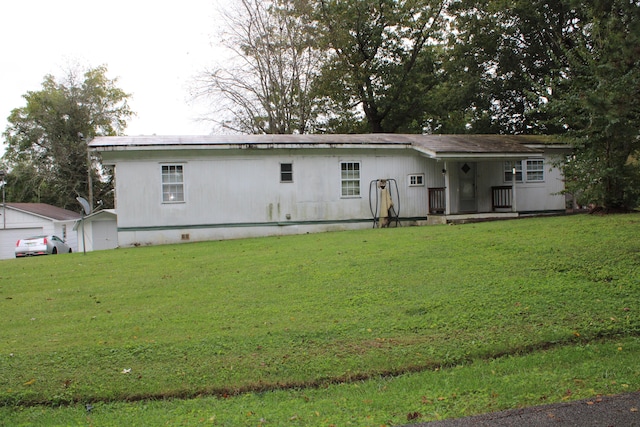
<point x="265" y="86"/>
<point x="47" y="138"/>
<point x="597" y="99"/>
<point x="562" y="67"/>
<point x="381" y="64"/>
<point x="508" y="50"/>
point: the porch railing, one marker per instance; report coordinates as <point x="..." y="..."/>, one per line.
<point x="437" y="200"/>
<point x="501" y="197"/>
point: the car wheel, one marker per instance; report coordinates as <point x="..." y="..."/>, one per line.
<point x="54" y="251"/>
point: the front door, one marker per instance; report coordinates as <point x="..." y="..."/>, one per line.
<point x="467" y="174"/>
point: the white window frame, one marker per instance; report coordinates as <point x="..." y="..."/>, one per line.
<point x="416" y="180"/>
<point x="289" y="172"/>
<point x="350" y="175"/>
<point x="508" y="171"/>
<point x="535" y="170"/>
<point x="172" y="183"/>
<point x="525" y="171"/>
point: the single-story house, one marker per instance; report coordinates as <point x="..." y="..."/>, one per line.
<point x="186" y="188"/>
<point x="97" y="231"/>
<point x="22" y="220"/>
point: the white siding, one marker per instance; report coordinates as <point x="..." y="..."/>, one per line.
<point x="226" y="194"/>
<point x="238" y="193"/>
<point x="530" y="196"/>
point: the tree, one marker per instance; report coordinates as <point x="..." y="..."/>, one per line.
<point x="382" y="62"/>
<point x="597" y="99"/>
<point x="265" y="87"/>
<point x="47" y="138"/>
<point x="559" y="67"/>
<point x="508" y="50"/>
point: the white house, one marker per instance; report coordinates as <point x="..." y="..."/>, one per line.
<point x="22" y="220"/>
<point x="189" y="188"/>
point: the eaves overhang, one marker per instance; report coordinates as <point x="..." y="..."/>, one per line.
<point x="439" y="147"/>
<point x="248" y="146"/>
<point x="248" y="142"/>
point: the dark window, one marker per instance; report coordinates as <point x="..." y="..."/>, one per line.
<point x="286" y="172"/>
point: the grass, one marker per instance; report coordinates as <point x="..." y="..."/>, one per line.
<point x="367" y="327"/>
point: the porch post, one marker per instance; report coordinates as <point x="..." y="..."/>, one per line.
<point x="513" y="187"/>
<point x="447" y="195"/>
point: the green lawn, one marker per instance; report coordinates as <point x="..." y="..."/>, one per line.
<point x="367" y="327"/>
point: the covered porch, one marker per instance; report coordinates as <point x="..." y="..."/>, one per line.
<point x="502" y="200"/>
<point x="480" y="178"/>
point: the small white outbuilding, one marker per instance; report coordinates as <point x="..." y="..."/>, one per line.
<point x="97" y="231"/>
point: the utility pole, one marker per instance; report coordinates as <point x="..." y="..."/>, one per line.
<point x="89" y="176"/>
<point x="89" y="170"/>
<point x="4" y="209"/>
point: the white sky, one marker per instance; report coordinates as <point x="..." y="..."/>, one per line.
<point x="153" y="47"/>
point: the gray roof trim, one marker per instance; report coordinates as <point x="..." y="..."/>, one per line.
<point x="434" y="146"/>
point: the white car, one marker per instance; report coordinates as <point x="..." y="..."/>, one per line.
<point x="41" y="245"/>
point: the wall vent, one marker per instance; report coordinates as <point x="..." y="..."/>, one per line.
<point x="185" y="237"/>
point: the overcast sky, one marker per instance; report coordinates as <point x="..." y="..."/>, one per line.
<point x="153" y="47"/>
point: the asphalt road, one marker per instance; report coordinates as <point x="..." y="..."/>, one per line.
<point x="622" y="410"/>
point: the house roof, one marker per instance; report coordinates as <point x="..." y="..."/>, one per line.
<point x="46" y="211"/>
<point x="435" y="146"/>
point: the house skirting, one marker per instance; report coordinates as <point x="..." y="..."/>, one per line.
<point x="153" y="235"/>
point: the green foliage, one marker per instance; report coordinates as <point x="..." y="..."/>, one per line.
<point x="560" y="67"/>
<point x="307" y="312"/>
<point x="46" y="139"/>
<point x="502" y="52"/>
<point x="380" y="65"/>
<point x="598" y="101"/>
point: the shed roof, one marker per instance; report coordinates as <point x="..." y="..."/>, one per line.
<point x="436" y="146"/>
<point x="101" y="215"/>
<point x="46" y="211"/>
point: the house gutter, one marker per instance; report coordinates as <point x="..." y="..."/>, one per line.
<point x="246" y="146"/>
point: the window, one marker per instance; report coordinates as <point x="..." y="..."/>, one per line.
<point x="508" y="171"/>
<point x="286" y="172"/>
<point x="416" y="180"/>
<point x="172" y="183"/>
<point x="534" y="171"/>
<point x="350" y="179"/>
